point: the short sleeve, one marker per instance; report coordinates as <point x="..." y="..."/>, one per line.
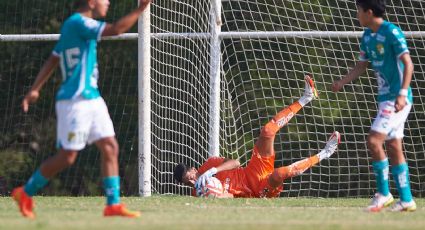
<point x="89" y="28"/>
<point x="210" y="163"/>
<point x="398" y="42"/>
<point x="58" y="48"/>
<point x="363" y="56"/>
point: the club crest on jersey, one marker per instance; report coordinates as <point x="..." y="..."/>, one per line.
<point x="380" y="49"/>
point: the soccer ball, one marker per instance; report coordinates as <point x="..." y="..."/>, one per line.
<point x="213" y="188"/>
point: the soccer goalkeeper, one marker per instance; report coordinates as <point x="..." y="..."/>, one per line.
<point x="82" y="115"/>
<point x="384" y="45"/>
<point x="259" y="178"/>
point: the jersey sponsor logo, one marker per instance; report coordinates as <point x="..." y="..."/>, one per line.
<point x="285" y="119"/>
<point x="380" y="38"/>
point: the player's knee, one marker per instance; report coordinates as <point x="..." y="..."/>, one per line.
<point x="111" y="149"/>
<point x="393" y="146"/>
<point x="268" y="130"/>
<point x="373" y="143"/>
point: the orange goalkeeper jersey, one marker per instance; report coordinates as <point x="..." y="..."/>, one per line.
<point x="251" y="181"/>
<point x="233" y="181"/>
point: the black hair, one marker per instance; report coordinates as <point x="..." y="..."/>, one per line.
<point x="79" y="3"/>
<point x="179" y="171"/>
<point x="377" y="6"/>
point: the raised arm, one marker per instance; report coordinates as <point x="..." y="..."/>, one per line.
<point x="126" y="22"/>
<point x="44" y="74"/>
<point x="354" y="73"/>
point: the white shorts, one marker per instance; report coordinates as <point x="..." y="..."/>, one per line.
<point x="82" y="121"/>
<point x="389" y="122"/>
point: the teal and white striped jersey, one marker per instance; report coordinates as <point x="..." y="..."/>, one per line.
<point x="78" y="59"/>
<point x="383" y="49"/>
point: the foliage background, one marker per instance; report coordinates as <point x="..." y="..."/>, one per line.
<point x="275" y="68"/>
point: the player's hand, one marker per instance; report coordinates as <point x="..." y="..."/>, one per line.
<point x="400" y="102"/>
<point x="337" y="86"/>
<point x="143" y="3"/>
<point x="204" y="177"/>
<point x="29" y="98"/>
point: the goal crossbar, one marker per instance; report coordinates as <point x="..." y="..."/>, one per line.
<point x="222" y="35"/>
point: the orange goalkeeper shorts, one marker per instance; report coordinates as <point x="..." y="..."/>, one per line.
<point x="257" y="174"/>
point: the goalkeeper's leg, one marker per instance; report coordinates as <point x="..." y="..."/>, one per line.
<point x="297" y="168"/>
<point x="268" y="133"/>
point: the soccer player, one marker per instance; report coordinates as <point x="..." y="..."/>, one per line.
<point x="82" y="115"/>
<point x="259" y="178"/>
<point x="384" y="45"/>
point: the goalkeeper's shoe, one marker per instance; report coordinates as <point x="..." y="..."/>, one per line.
<point x="119" y="210"/>
<point x="401" y="206"/>
<point x="331" y="146"/>
<point x="310" y="89"/>
<point x="379" y="202"/>
<point x="24" y="202"/>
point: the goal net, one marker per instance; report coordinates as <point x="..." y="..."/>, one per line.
<point x="265" y="49"/>
<point x="262" y="73"/>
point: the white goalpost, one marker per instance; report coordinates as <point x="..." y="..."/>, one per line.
<point x="212" y="73"/>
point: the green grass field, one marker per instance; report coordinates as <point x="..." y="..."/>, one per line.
<point x="176" y="212"/>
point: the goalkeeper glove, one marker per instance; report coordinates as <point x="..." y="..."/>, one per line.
<point x="204" y="177"/>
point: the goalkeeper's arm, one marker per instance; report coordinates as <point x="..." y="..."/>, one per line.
<point x="354" y="73"/>
<point x="228" y="164"/>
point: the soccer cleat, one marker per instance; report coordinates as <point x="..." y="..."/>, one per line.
<point x="401" y="206"/>
<point x="24" y="202"/>
<point x="119" y="210"/>
<point x="379" y="202"/>
<point x="331" y="146"/>
<point x="310" y="89"/>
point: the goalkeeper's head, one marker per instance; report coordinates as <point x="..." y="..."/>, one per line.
<point x="185" y="174"/>
<point x="377" y="7"/>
